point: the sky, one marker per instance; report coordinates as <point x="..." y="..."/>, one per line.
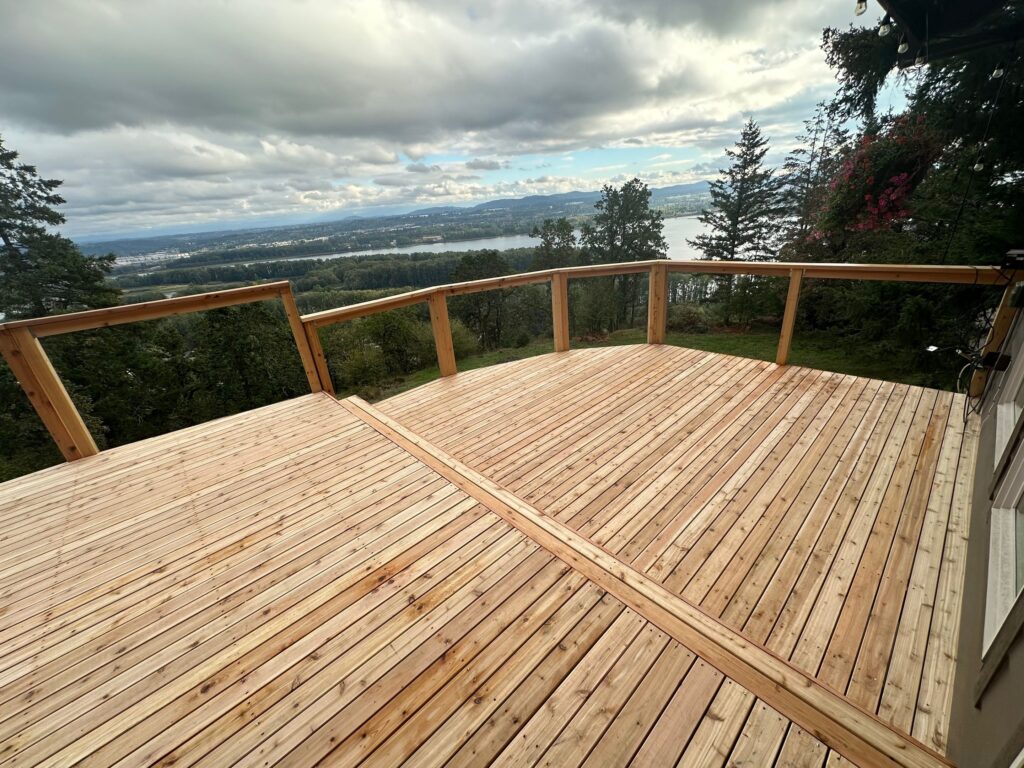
<point x="187" y="115"/>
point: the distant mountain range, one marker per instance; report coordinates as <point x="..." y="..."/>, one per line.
<point x="532" y="203"/>
<point x="342" y="233"/>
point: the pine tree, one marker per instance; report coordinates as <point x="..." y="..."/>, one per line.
<point x="41" y="272"/>
<point x="745" y="210"/>
<point x="808" y="168"/>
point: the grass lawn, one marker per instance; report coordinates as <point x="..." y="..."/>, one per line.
<point x="814" y="349"/>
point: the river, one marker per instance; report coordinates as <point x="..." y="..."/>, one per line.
<point x="676" y="232"/>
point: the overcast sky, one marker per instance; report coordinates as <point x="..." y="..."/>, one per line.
<point x="193" y="114"/>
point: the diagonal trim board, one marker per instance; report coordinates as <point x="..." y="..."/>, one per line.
<point x="853" y="732"/>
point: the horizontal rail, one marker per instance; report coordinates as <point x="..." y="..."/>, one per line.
<point x="899" y="273"/>
<point x="914" y="273"/>
<point x="20" y="347"/>
<point x="364" y="308"/>
<point x="53" y="325"/>
<point x="31" y="366"/>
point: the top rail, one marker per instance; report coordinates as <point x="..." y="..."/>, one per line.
<point x="52" y="325"/>
<point x="20" y="347"/>
<point x="916" y="273"/>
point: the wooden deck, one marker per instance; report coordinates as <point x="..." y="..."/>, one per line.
<point x="547" y="562"/>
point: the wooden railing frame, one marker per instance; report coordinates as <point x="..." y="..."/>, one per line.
<point x="1002" y="321"/>
<point x="19" y="339"/>
<point x="20" y="346"/>
<point x="657" y="306"/>
<point x="796" y="277"/>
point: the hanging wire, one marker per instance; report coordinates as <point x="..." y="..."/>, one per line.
<point x="976" y="165"/>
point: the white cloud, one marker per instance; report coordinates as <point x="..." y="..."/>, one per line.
<point x="191" y="112"/>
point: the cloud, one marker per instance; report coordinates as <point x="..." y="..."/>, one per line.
<point x="378" y="156"/>
<point x="422" y="168"/>
<point x="478" y="164"/>
<point x="195" y="112"/>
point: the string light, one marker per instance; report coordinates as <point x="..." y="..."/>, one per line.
<point x="885" y="27"/>
<point x="860" y="7"/>
<point x="904" y="46"/>
<point x="979" y="167"/>
<point x="999" y="71"/>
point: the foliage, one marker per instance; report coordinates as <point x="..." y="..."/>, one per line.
<point x="688" y="318"/>
<point x="27" y="201"/>
<point x="873" y="185"/>
<point x="808" y="168"/>
<point x="41" y="272"/>
<point x="558" y="246"/>
<point x="862" y="61"/>
<point x="483" y="312"/>
<point x="745" y="205"/>
<point x="625" y="227"/>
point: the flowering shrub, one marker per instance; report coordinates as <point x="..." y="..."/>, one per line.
<point x="872" y="186"/>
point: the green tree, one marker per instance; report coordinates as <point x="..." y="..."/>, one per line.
<point x="239" y="358"/>
<point x="743" y="217"/>
<point x="483" y="312"/>
<point x="939" y="182"/>
<point x="42" y="273"/>
<point x="809" y="167"/>
<point x="742" y="222"/>
<point x="558" y="246"/>
<point x="625" y="228"/>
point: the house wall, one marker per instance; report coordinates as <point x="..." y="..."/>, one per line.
<point x="991" y="732"/>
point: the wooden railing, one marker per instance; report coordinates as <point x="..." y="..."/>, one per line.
<point x="19" y="343"/>
<point x="657" y="307"/>
<point x="19" y="340"/>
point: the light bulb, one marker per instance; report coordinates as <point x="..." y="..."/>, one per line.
<point x="904" y="46"/>
<point x="885" y="27"/>
<point x="979" y="166"/>
<point x="860" y="7"/>
<point x="999" y="71"/>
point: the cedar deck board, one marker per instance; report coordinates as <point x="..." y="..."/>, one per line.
<point x="286" y="586"/>
<point x="760" y="493"/>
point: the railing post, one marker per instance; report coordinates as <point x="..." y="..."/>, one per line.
<point x="560" y="311"/>
<point x="442" y="333"/>
<point x="301" y="340"/>
<point x="1001" y="322"/>
<point x="789" y="317"/>
<point x="312" y="334"/>
<point x="657" y="304"/>
<point x="37" y="377"/>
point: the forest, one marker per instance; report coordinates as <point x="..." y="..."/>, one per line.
<point x="939" y="181"/>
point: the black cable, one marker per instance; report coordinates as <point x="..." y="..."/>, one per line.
<point x="977" y="157"/>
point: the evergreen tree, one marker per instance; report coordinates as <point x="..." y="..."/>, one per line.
<point x="40" y="272"/>
<point x="745" y="209"/>
<point x="808" y="169"/>
<point x="482" y="312"/>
